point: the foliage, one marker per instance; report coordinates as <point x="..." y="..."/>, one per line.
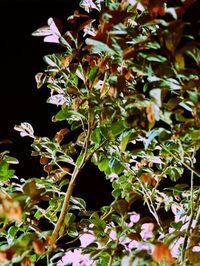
<point x="127" y="83"/>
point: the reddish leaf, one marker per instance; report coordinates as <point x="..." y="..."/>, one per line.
<point x="26" y="261"/>
<point x="44" y="160"/>
<point x="39" y="246"/>
<point x="148" y="179"/>
<point x="11" y="209"/>
<point x="47" y="168"/>
<point x="150" y="113"/>
<point x="162" y="253"/>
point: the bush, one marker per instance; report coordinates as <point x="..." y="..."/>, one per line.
<point x="127" y="84"/>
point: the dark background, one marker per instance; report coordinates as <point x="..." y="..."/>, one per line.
<point x="21" y="57"/>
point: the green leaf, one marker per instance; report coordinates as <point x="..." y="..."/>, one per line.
<point x="12" y="231"/>
<point x="69" y="219"/>
<point x="103" y="165"/>
<point x="153" y="45"/>
<point x="99" y="223"/>
<point x="72" y="231"/>
<point x="154" y="58"/>
<point x="25" y="239"/>
<point x="106" y="132"/>
<point x="193" y="96"/>
<point x="5" y="173"/>
<point x="11" y="160"/>
<point x="96" y="135"/>
<point x="99" y="47"/>
<point x="65" y="114"/>
<point x="116" y="166"/>
<point x="79" y="159"/>
<point x="113" y="130"/>
<point x="80" y="203"/>
<point x="118" y="127"/>
<point x="92" y="74"/>
<point x="186" y="106"/>
<point x="38" y="214"/>
<point x="174" y="172"/>
<point x="3" y="168"/>
<point x="116" y="193"/>
<point x="194" y="134"/>
<point x="124" y="138"/>
<point x="195" y="54"/>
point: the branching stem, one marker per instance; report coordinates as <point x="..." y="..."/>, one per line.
<point x="70" y="189"/>
<point x="189" y="167"/>
<point x="65" y="205"/>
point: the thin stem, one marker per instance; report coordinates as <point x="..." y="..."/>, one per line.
<point x="106" y="215"/>
<point x="69" y="242"/>
<point x="151" y="205"/>
<point x="180" y="161"/>
<point x="71" y="185"/>
<point x="147" y="198"/>
<point x="185" y="245"/>
<point x="186" y="237"/>
<point x="110" y="260"/>
<point x="70" y="189"/>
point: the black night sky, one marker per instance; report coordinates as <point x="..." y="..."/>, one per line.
<point x="20" y="100"/>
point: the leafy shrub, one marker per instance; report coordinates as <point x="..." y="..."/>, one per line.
<point x="127" y="83"/>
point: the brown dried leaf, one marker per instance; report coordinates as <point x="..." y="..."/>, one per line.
<point x="11" y="209"/>
<point x="6" y="255"/>
<point x="44" y="160"/>
<point x="66" y="61"/>
<point x="39" y="246"/>
<point x="150" y="113"/>
<point x="148" y="179"/>
<point x="162" y="253"/>
<point x="47" y="168"/>
<point x="26" y="261"/>
<point x="59" y="136"/>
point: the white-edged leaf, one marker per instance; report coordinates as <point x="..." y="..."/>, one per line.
<point x="11" y="160"/>
<point x="80" y="203"/>
<point x="88" y="5"/>
<point x="99" y="47"/>
<point x="49" y="60"/>
<point x="25" y="129"/>
<point x="53" y="26"/>
<point x="52" y="38"/>
<point x="80" y="75"/>
<point x="57" y="99"/>
<point x="156" y="96"/>
<point x="42" y="31"/>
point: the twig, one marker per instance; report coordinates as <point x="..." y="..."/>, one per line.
<point x="197" y="173"/>
<point x="186" y="237"/>
<point x="147" y="198"/>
